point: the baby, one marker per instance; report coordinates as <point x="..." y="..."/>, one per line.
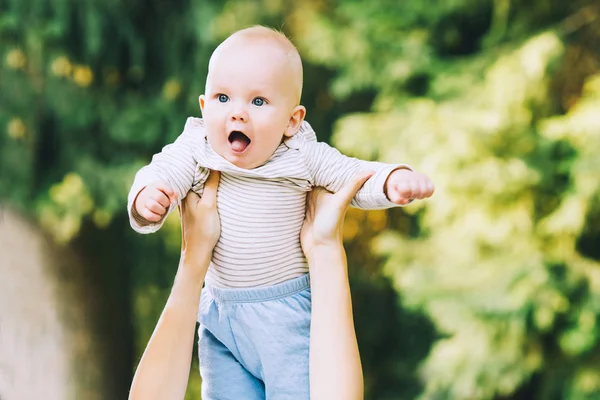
<point x="255" y="310"/>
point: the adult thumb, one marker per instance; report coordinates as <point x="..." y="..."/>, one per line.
<point x="349" y="190"/>
<point x="209" y="195"/>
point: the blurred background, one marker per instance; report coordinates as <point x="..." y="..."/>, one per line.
<point x="490" y="290"/>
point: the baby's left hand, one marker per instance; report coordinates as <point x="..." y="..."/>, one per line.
<point x="404" y="185"/>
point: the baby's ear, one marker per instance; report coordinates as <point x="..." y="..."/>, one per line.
<point x="295" y="121"/>
<point x="201" y="101"/>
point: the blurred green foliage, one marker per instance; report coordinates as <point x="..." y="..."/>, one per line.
<point x="489" y="290"/>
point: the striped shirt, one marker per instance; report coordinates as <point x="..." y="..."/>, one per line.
<point x="261" y="209"/>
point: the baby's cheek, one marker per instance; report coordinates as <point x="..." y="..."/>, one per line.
<point x="218" y="143"/>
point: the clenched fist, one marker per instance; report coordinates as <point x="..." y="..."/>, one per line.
<point x="153" y="201"/>
<point x="404" y="185"/>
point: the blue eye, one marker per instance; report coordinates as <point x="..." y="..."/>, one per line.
<point x="223" y="98"/>
<point x="258" y="101"/>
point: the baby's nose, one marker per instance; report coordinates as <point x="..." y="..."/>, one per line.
<point x="239" y="114"/>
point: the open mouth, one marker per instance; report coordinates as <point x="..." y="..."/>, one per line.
<point x="238" y="141"/>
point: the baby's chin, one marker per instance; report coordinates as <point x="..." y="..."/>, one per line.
<point x="243" y="161"/>
<point x="240" y="163"/>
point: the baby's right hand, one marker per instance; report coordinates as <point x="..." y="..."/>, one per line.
<point x="153" y="201"/>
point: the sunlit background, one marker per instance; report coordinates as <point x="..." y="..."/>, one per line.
<point x="490" y="290"/>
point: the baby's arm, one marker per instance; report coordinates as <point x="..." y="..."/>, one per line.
<point x="331" y="169"/>
<point x="174" y="167"/>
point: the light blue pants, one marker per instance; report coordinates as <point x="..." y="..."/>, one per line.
<point x="254" y="342"/>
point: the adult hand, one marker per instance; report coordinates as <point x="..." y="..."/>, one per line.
<point x="200" y="223"/>
<point x="325" y="214"/>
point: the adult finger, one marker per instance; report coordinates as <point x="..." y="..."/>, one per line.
<point x="190" y="201"/>
<point x="209" y="196"/>
<point x="312" y="200"/>
<point x="348" y="191"/>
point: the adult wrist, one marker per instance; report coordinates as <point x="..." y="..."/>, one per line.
<point x="195" y="259"/>
<point x="328" y="267"/>
<point x="190" y="276"/>
<point x="324" y="248"/>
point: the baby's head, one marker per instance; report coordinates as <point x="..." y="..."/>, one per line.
<point x="252" y="96"/>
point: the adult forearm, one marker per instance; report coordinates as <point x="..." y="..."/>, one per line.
<point x="335" y="368"/>
<point x="163" y="371"/>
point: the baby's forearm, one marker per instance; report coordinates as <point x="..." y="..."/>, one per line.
<point x="176" y="165"/>
<point x="331" y="170"/>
